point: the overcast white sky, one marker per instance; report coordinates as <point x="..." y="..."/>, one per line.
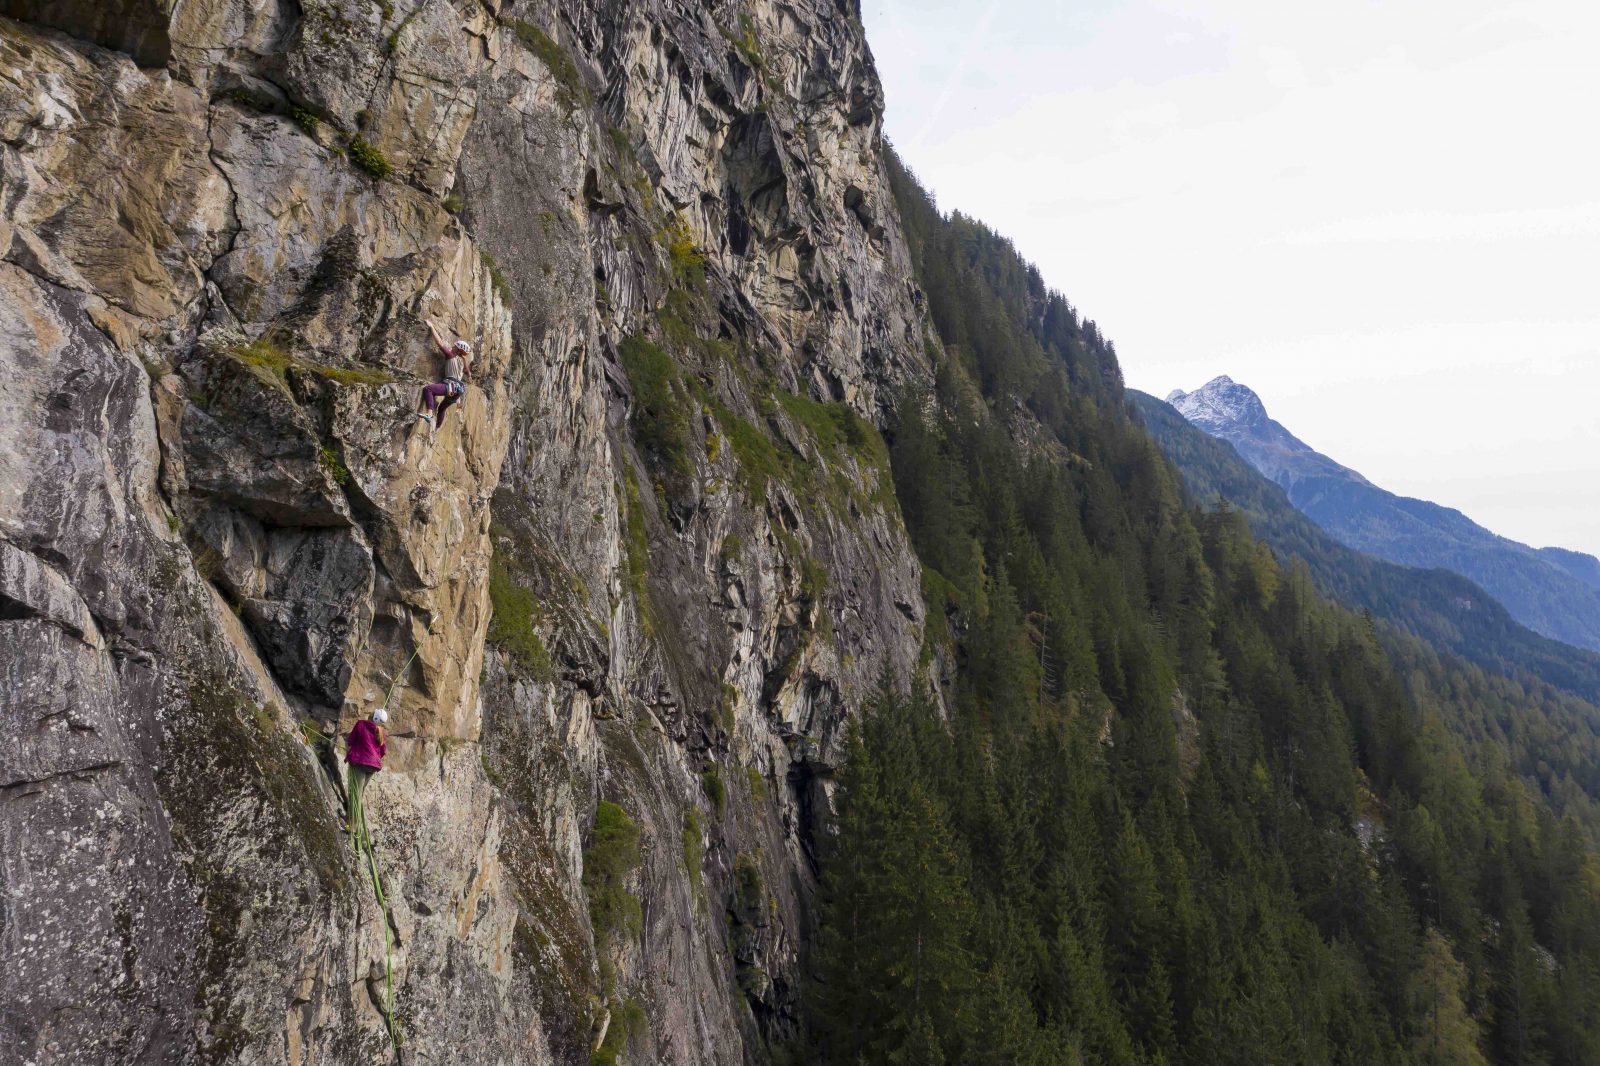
<point x="1382" y="216"/>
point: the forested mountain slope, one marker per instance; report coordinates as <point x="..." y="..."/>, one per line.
<point x="1182" y="808"/>
<point x="1535" y="694"/>
<point x="1443" y="608"/>
<point x="1550" y="590"/>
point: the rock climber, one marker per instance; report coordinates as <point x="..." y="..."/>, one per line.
<point x="437" y="398"/>
<point x="364" y="755"/>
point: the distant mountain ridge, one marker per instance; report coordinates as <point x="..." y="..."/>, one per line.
<point x="1553" y="591"/>
<point x="1226" y="409"/>
<point x="1448" y="611"/>
<point x="1585" y="568"/>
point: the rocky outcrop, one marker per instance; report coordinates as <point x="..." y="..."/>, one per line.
<point x="652" y="559"/>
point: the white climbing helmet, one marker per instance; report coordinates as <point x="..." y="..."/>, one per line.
<point x="381" y="715"/>
<point x="463" y="347"/>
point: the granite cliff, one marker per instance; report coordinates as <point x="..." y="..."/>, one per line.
<point x="641" y="573"/>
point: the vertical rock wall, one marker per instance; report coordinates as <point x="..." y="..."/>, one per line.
<point x="224" y="536"/>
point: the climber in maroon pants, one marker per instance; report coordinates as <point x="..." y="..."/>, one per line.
<point x="437" y="398"/>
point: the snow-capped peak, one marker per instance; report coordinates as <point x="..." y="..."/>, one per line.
<point x="1219" y="404"/>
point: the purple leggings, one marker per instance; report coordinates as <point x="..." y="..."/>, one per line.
<point x="446" y="391"/>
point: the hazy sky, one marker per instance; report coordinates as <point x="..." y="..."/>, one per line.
<point x="1383" y="217"/>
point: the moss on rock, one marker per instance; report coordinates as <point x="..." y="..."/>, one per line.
<point x="512" y="626"/>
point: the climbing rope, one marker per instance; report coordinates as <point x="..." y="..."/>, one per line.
<point x="362" y="835"/>
<point x="387" y="696"/>
<point x="364" y="843"/>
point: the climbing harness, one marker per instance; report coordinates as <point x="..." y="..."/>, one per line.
<point x="458" y="389"/>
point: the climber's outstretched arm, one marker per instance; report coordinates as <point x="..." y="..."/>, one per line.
<point x="438" y="338"/>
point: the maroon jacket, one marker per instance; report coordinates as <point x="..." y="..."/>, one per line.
<point x="367" y="746"/>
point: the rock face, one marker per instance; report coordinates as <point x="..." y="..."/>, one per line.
<point x="652" y="558"/>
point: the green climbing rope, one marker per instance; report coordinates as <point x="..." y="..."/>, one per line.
<point x="364" y="843"/>
<point x="387" y="696"/>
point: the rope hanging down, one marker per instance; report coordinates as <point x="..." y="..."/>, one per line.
<point x="364" y="844"/>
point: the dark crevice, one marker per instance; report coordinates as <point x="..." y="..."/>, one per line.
<point x="77" y="773"/>
<point x="138" y="28"/>
<point x="233" y="207"/>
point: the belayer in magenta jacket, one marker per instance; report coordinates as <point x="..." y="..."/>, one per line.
<point x="367" y="745"/>
<point x="364" y="754"/>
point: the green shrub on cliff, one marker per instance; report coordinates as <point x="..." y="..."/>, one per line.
<point x="694" y="847"/>
<point x="368" y="157"/>
<point x="612" y="855"/>
<point x="511" y="627"/>
<point x="627" y="1020"/>
<point x="687" y="259"/>
<point x="266" y="354"/>
<point x="570" y="89"/>
<point x="661" y="413"/>
<point x="497" y="277"/>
